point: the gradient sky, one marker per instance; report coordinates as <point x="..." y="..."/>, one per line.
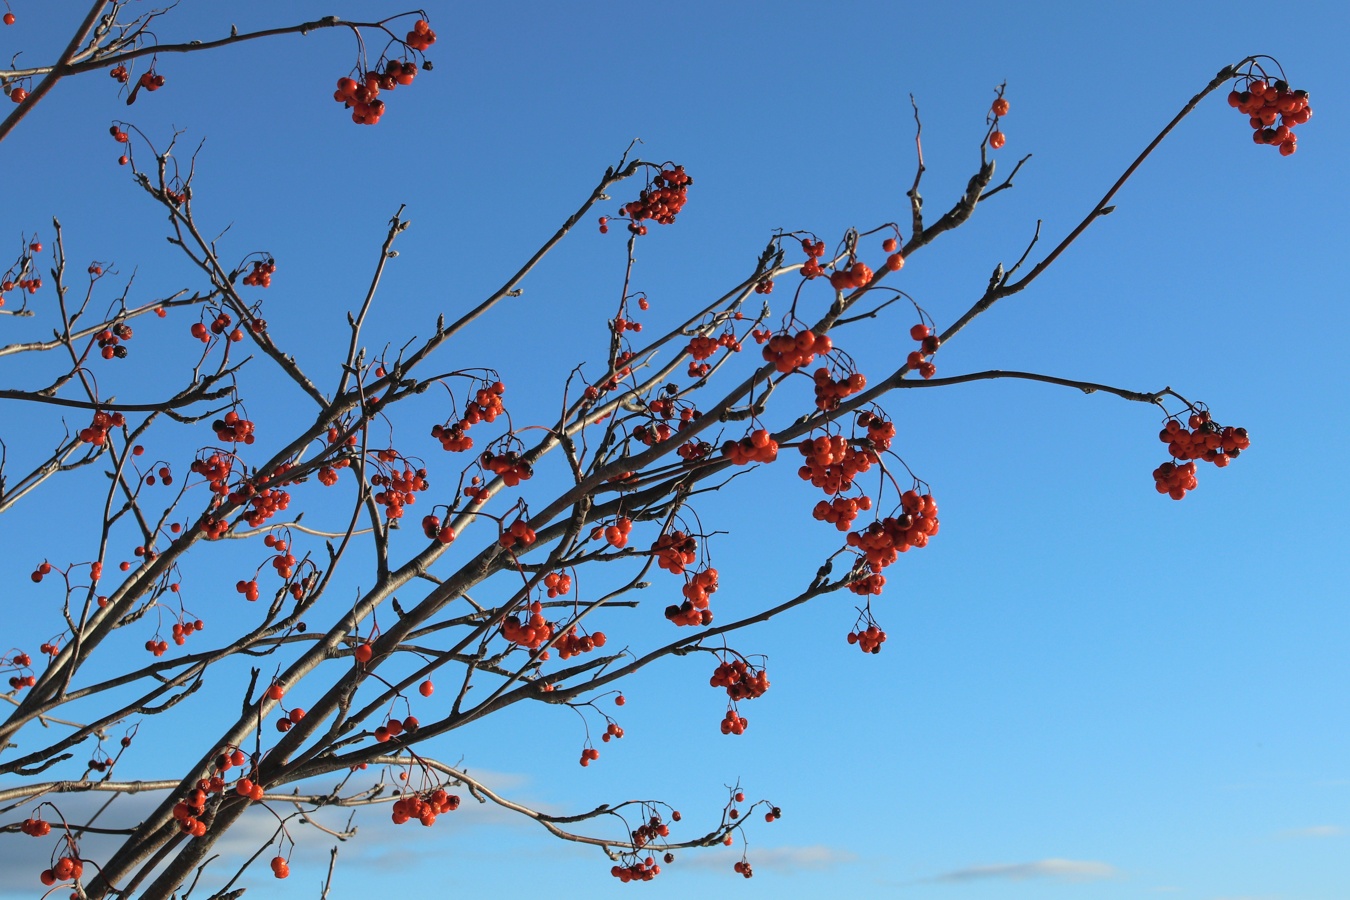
<point x="1088" y="690"/>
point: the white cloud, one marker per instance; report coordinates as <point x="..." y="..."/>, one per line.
<point x="377" y="841"/>
<point x="1057" y="869"/>
<point x="813" y="857"/>
<point x="1314" y="831"/>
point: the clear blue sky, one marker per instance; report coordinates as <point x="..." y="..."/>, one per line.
<point x="1088" y="690"/>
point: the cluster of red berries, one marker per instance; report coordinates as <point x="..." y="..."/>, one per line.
<point x="692" y="450"/>
<point x="100" y="765"/>
<point x="881" y="543"/>
<point x="855" y="276"/>
<point x="997" y="138"/>
<point x="674" y="551"/>
<point x="261" y="275"/>
<point x="424" y="807"/>
<point x="929" y="344"/>
<point x="661" y="201"/>
<point x="290" y="719"/>
<point x="652" y="434"/>
<point x="202" y="332"/>
<point x="477" y="492"/>
<point x="615" y="535"/>
<point x="264" y="504"/>
<point x="1205" y="440"/>
<point x="233" y="429"/>
<point x="120" y="74"/>
<point x="649" y="831"/>
<point x="226" y="760"/>
<point x="621" y="371"/>
<point x="790" y="351"/>
<point x="641" y="870"/>
<point x="284" y="561"/>
<point x="734" y="723"/>
<point x="395" y="727"/>
<point x="31" y="285"/>
<point x="1264" y="103"/>
<point x="703" y="346"/>
<point x="247" y="787"/>
<point x="571" y="644"/>
<point x="1175" y="479"/>
<point x="280" y="867"/>
<point x="758" y="446"/>
<point x="814" y="251"/>
<point x="741" y="680"/>
<point x="24" y="284"/>
<point x="672" y="408"/>
<point x="589" y="754"/>
<point x="613" y="731"/>
<point x="44" y="568"/>
<point x="165" y="475"/>
<point x="151" y="81"/>
<point x="188" y="812"/>
<point x="743" y="868"/>
<point x="868" y="639"/>
<point x="185" y="629"/>
<point x="35" y="827"/>
<point x="531" y="633"/>
<point x="486" y="405"/>
<point x="110" y="340"/>
<point x="362" y="97"/>
<point x="67" y="868"/>
<point x="557" y="583"/>
<point x="841" y="511"/>
<point x="103" y="422"/>
<point x="832" y="463"/>
<point x="421" y="37"/>
<point x="694" y="610"/>
<point x="398" y="488"/>
<point x="619" y="325"/>
<point x="896" y="260"/>
<point x="432" y="528"/>
<point x="19" y="682"/>
<point x="508" y="465"/>
<point x="216" y="470"/>
<point x="157" y="647"/>
<point x="518" y="532"/>
<point x="453" y="437"/>
<point x="831" y="391"/>
<point x="213" y="529"/>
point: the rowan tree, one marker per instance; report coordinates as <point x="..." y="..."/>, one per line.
<point x="457" y="561"/>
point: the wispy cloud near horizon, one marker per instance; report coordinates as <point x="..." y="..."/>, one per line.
<point x="1314" y="831"/>
<point x="814" y="857"/>
<point x="1056" y="869"/>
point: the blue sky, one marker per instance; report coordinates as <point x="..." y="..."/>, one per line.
<point x="1088" y="690"/>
